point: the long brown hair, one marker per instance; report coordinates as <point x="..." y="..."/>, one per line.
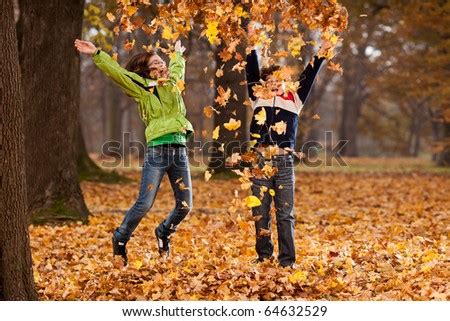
<point x="139" y="63"/>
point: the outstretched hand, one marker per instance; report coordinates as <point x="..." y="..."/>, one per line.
<point x="179" y="47"/>
<point x="85" y="47"/>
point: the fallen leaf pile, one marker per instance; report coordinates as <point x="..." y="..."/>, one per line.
<point x="358" y="237"/>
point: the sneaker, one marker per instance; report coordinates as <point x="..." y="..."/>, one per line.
<point x="292" y="266"/>
<point x="163" y="242"/>
<point x="119" y="248"/>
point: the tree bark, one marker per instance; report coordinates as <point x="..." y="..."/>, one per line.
<point x="51" y="84"/>
<point x="443" y="157"/>
<point x="16" y="274"/>
<point x="236" y="109"/>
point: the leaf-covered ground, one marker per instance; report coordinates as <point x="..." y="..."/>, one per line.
<point x="359" y="236"/>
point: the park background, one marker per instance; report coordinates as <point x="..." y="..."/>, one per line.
<point x="373" y="230"/>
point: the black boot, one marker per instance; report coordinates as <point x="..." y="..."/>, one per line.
<point x="120" y="248"/>
<point x="163" y="242"/>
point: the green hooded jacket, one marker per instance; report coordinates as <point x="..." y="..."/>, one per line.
<point x="162" y="114"/>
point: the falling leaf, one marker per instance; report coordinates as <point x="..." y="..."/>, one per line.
<point x="280" y="127"/>
<point x="295" y="45"/>
<point x="252" y="201"/>
<point x="215" y="134"/>
<point x="260" y="117"/>
<point x="225" y="55"/>
<point x="223" y="96"/>
<point x="129" y="44"/>
<point x="208" y="111"/>
<point x="111" y="17"/>
<point x="232" y="124"/>
<point x="335" y="67"/>
<point x="219" y="73"/>
<point x="180" y="85"/>
<point x="212" y="32"/>
<point x="131" y="10"/>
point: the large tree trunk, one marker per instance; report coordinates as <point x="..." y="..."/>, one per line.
<point x="16" y="275"/>
<point x="51" y="83"/>
<point x="236" y="109"/>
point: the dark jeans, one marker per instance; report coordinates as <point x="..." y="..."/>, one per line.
<point x="283" y="185"/>
<point x="158" y="161"/>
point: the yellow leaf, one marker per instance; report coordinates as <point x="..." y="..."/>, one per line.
<point x="272" y="192"/>
<point x="239" y="10"/>
<point x="215" y="134"/>
<point x="212" y="31"/>
<point x="430" y="255"/>
<point x="137" y="264"/>
<point x="131" y="10"/>
<point x="167" y="32"/>
<point x="233" y="124"/>
<point x="261" y="117"/>
<point x="252" y="201"/>
<point x="298" y="277"/>
<point x="295" y="45"/>
<point x="180" y="85"/>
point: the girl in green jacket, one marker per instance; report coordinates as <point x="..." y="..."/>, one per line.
<point x="162" y="110"/>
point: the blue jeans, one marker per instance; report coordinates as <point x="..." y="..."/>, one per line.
<point x="283" y="185"/>
<point x="158" y="161"/>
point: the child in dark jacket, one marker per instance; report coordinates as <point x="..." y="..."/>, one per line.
<point x="283" y="108"/>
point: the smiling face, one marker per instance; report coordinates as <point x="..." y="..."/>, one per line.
<point x="157" y="67"/>
<point x="274" y="85"/>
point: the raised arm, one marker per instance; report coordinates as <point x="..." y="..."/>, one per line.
<point x="131" y="83"/>
<point x="177" y="64"/>
<point x="252" y="73"/>
<point x="177" y="67"/>
<point x="308" y="77"/>
<point x="128" y="81"/>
